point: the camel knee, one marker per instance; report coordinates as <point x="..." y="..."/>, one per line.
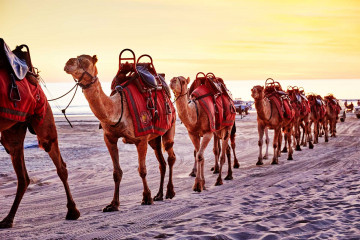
<point x="117" y="175"/>
<point x="216" y="151"/>
<point x="46" y="144"/>
<point x="260" y="143"/>
<point x="200" y="157"/>
<point x="267" y="141"/>
<point x="142" y="172"/>
<point x="168" y="145"/>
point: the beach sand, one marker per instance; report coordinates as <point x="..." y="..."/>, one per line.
<point x="315" y="196"/>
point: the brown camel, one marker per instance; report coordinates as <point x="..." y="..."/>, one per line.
<point x="268" y="116"/>
<point x="109" y="110"/>
<point x="332" y="113"/>
<point x="216" y="149"/>
<point x="301" y="119"/>
<point x="12" y="138"/>
<point x="317" y="116"/>
<point x="196" y="120"/>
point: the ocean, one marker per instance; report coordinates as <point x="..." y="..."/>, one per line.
<point x="341" y="88"/>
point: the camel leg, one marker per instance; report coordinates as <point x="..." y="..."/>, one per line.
<point x="195" y="139"/>
<point x="285" y="143"/>
<point x="228" y="156"/>
<point x="297" y="136"/>
<point x="290" y="150"/>
<point x="13" y="141"/>
<point x="267" y="141"/>
<point x="155" y="144"/>
<point x="199" y="184"/>
<point x="303" y="142"/>
<point x="316" y="132"/>
<point x="216" y="151"/>
<point x="168" y="140"/>
<point x="280" y="138"/>
<point x="224" y="147"/>
<point x="193" y="171"/>
<point x="261" y="130"/>
<point x="48" y="140"/>
<point x="232" y="141"/>
<point x="111" y="144"/>
<point x="308" y="135"/>
<point x="142" y="149"/>
<point x="276" y="143"/>
<point x="326" y="130"/>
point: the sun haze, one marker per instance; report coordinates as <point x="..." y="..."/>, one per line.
<point x="237" y="39"/>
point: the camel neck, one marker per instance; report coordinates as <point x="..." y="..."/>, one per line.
<point x="184" y="111"/>
<point x="263" y="108"/>
<point x="103" y="107"/>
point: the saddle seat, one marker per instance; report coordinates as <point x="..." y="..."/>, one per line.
<point x="11" y="62"/>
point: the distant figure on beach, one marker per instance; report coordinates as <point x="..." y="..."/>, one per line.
<point x="358" y="103"/>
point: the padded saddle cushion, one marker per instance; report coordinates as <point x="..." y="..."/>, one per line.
<point x="16" y="65"/>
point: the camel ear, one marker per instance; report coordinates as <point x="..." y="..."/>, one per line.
<point x="188" y="80"/>
<point x="94" y="59"/>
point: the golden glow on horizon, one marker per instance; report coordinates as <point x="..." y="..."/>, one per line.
<point x="234" y="39"/>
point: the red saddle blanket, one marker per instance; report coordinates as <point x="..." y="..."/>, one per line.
<point x="33" y="101"/>
<point x="225" y="106"/>
<point x="284" y="108"/>
<point x="143" y="118"/>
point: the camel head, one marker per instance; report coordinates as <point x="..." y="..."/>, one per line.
<point x="82" y="68"/>
<point x="179" y="85"/>
<point x="257" y="92"/>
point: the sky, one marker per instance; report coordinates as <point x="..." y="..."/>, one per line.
<point x="237" y="40"/>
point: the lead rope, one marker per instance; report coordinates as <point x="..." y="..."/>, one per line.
<point x="54" y="99"/>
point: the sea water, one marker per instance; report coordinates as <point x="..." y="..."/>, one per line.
<point x="341" y="88"/>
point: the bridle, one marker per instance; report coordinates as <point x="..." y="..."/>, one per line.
<point x="78" y="81"/>
<point x="181" y="95"/>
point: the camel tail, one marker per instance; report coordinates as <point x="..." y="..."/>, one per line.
<point x="233" y="130"/>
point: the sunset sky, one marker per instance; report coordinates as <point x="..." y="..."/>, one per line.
<point x="294" y="39"/>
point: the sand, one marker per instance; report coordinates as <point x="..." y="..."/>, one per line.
<point x="315" y="196"/>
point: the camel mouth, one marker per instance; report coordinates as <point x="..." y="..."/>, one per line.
<point x="70" y="66"/>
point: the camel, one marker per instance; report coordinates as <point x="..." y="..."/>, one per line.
<point x="317" y="116"/>
<point x="268" y="117"/>
<point x="301" y="119"/>
<point x="332" y="113"/>
<point x="196" y="121"/>
<point x="114" y="116"/>
<point x="12" y="138"/>
<point x="216" y="149"/>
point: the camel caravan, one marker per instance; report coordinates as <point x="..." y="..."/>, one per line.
<point x="140" y="110"/>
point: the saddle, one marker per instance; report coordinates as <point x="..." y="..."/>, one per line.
<point x="18" y="65"/>
<point x="211" y="90"/>
<point x="274" y="92"/>
<point x="147" y="93"/>
<point x="143" y="75"/>
<point x="10" y="61"/>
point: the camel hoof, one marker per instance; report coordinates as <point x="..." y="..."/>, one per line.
<point x="284" y="150"/>
<point x="265" y="157"/>
<point x="197" y="187"/>
<point x="290" y="158"/>
<point x="158" y="197"/>
<point x="311" y="146"/>
<point x="259" y="163"/>
<point x="216" y="171"/>
<point x="111" y="208"/>
<point x="326" y="140"/>
<point x="192" y="174"/>
<point x="218" y="182"/>
<point x="147" y="201"/>
<point x="236" y="164"/>
<point x="298" y="148"/>
<point x="6" y="224"/>
<point x="170" y="194"/>
<point x="73" y="214"/>
<point x="212" y="169"/>
<point x="229" y="177"/>
<point x="274" y="162"/>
